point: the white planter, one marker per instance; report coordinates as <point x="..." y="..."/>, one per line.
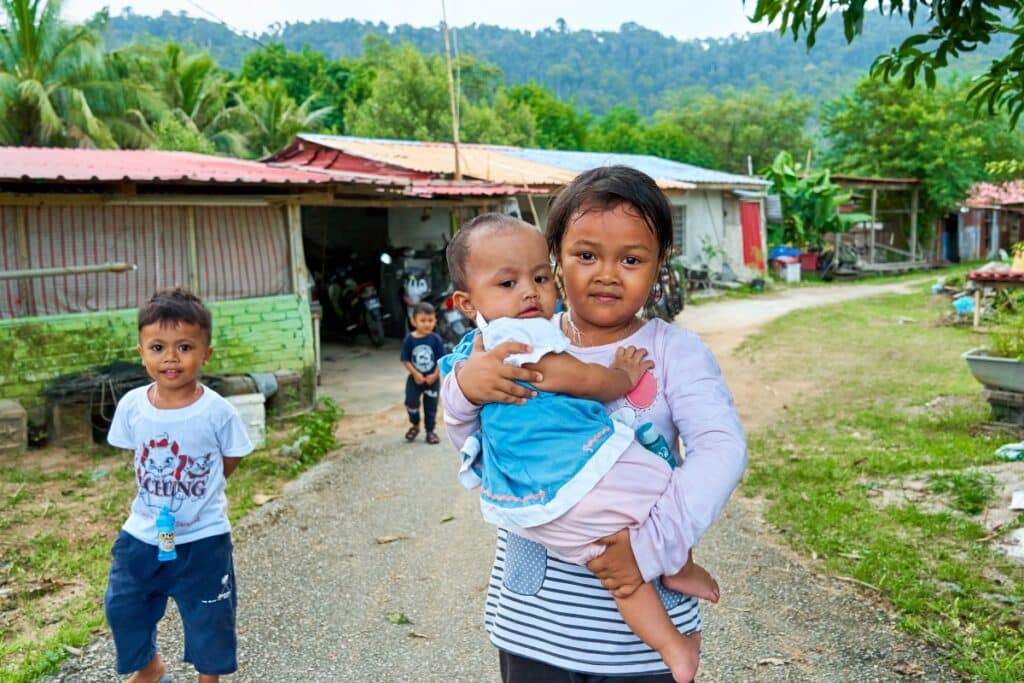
<point x="251" y="408"/>
<point x="996" y="372"/>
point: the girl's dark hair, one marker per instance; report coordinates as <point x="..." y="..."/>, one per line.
<point x="604" y="188"/>
<point x="457" y="252"/>
<point x="176" y="305"/>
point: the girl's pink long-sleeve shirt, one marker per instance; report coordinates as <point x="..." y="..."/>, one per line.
<point x="689" y="401"/>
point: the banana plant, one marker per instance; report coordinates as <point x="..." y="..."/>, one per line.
<point x="811" y="204"/>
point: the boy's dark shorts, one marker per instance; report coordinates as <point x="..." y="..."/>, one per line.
<point x="201" y="581"/>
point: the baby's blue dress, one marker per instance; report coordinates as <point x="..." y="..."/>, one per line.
<point x="535" y="461"/>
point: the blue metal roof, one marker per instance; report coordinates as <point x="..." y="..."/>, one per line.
<point x="655" y="167"/>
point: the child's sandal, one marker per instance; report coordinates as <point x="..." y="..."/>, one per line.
<point x="412" y="433"/>
<point x="433" y="438"/>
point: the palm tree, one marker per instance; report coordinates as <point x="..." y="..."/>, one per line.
<point x="275" y="118"/>
<point x="201" y="97"/>
<point x="55" y="86"/>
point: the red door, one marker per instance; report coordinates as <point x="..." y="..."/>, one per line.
<point x="750" y="222"/>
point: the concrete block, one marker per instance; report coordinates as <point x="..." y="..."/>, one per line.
<point x="290" y="399"/>
<point x="252" y="410"/>
<point x="13" y="428"/>
<point x="70" y="424"/>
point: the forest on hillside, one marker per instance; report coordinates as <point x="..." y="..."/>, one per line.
<point x="635" y="67"/>
<point x="93" y="85"/>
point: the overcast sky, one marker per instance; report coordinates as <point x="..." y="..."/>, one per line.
<point x="679" y="18"/>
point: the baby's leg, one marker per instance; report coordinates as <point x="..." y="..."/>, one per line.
<point x="645" y="614"/>
<point x="693" y="580"/>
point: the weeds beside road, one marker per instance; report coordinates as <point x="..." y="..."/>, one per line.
<point x="60" y="510"/>
<point x="870" y="460"/>
<point x="880" y="469"/>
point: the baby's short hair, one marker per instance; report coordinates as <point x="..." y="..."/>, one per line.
<point x="423" y="308"/>
<point x="458" y="249"/>
<point x="176" y="305"/>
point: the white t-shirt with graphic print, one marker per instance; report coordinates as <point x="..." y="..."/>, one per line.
<point x="179" y="462"/>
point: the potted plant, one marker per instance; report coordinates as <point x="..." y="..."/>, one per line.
<point x="1001" y="366"/>
<point x="1017" y="252"/>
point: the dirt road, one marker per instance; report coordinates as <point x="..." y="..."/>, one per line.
<point x="316" y="586"/>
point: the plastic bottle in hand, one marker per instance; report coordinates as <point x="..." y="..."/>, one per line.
<point x="650" y="439"/>
<point x="165" y="536"/>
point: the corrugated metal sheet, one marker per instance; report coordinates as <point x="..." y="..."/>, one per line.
<point x="656" y="167"/>
<point x="475" y="161"/>
<point x="989" y="195"/>
<point x="453" y="189"/>
<point x="100" y="165"/>
<point x="304" y="155"/>
<point x="526" y="166"/>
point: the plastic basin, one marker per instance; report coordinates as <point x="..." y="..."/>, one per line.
<point x="993" y="371"/>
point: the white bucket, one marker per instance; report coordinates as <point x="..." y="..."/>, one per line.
<point x="793" y="272"/>
<point x="253" y="412"/>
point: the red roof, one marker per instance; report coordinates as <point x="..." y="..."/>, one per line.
<point x="988" y="195"/>
<point x="310" y="155"/>
<point x="100" y="165"/>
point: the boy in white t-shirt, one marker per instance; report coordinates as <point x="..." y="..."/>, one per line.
<point x="186" y="440"/>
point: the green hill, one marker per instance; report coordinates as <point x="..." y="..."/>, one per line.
<point x="634" y="66"/>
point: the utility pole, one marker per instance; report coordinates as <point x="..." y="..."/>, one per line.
<point x="451" y="92"/>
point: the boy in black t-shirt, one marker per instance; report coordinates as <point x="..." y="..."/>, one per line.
<point x="421" y="350"/>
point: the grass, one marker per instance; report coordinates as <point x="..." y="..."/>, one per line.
<point x="57" y="524"/>
<point x="814" y="280"/>
<point x="866" y="426"/>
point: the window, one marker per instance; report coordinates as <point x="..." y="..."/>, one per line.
<point x="679" y="227"/>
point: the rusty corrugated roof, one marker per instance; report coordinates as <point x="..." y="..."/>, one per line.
<point x="460" y="189"/>
<point x="100" y="165"/>
<point x="486" y="162"/>
<point x="992" y="195"/>
<point x="475" y="161"/>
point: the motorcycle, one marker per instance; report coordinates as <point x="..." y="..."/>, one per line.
<point x="424" y="277"/>
<point x="452" y="325"/>
<point x="667" y="300"/>
<point x="357" y="305"/>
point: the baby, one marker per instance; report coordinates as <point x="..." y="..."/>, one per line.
<point x="536" y="461"/>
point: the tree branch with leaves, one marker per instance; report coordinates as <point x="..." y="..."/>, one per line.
<point x="948" y="28"/>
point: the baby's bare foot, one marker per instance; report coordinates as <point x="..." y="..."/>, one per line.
<point x="682" y="656"/>
<point x="693" y="580"/>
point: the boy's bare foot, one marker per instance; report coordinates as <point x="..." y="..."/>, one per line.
<point x="693" y="580"/>
<point x="152" y="673"/>
<point x="682" y="656"/>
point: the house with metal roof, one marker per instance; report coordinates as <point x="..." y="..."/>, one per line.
<point x="990" y="219"/>
<point x="718" y="216"/>
<point x="86" y="236"/>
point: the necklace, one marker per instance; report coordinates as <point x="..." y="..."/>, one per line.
<point x="158" y="401"/>
<point x="574" y="332"/>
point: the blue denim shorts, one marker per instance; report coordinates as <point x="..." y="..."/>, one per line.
<point x="201" y="581"/>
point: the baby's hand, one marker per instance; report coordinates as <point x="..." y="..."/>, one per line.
<point x="632" y="361"/>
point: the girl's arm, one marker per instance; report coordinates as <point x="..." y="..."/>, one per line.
<point x="716" y="455"/>
<point x="484" y="377"/>
<point x="566" y="374"/>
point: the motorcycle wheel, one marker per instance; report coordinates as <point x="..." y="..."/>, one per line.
<point x="375" y="328"/>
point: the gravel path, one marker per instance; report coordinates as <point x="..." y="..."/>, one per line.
<point x="315" y="586"/>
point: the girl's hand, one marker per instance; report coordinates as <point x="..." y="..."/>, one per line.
<point x="630" y="359"/>
<point x="616" y="566"/>
<point x="486" y="378"/>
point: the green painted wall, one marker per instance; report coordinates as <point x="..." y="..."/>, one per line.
<point x="249" y="335"/>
